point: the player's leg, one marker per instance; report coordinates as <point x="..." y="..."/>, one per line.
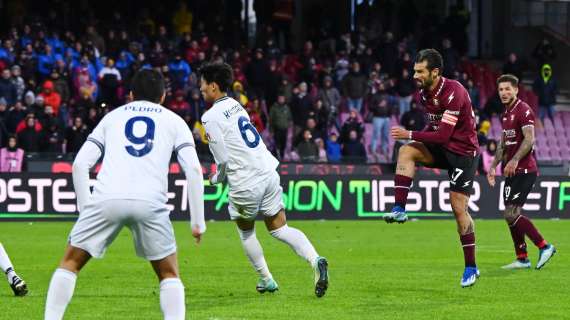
<point x="298" y="241"/>
<point x="154" y="241"/>
<point x="254" y="253"/>
<point x="94" y="231"/>
<point x="276" y="223"/>
<point x="466" y="230"/>
<point x="172" y="297"/>
<point x="408" y="155"/>
<point x="62" y="283"/>
<point x="16" y="283"/>
<point x="511" y="215"/>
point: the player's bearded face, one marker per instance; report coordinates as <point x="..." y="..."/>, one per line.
<point x="507" y="93"/>
<point x="423" y="77"/>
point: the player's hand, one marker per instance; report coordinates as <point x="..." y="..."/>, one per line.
<point x="491" y="177"/>
<point x="510" y="168"/>
<point x="399" y="133"/>
<point x="197" y="234"/>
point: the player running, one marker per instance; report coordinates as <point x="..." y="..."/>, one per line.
<point x="136" y="142"/>
<point x="254" y="187"/>
<point x="516" y="151"/>
<point x="449" y="142"/>
<point x="16" y="283"/>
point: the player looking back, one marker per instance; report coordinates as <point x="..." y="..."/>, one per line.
<point x="136" y="142"/>
<point x="449" y="142"/>
<point x="515" y="150"/>
<point x="254" y="187"/>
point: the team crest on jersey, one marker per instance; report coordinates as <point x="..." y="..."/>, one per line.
<point x="512" y="117"/>
<point x="504" y="118"/>
<point x="435" y="102"/>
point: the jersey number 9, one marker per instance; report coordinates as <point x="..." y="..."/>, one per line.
<point x="244" y="126"/>
<point x="146" y="140"/>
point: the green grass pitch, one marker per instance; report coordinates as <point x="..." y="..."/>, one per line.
<point x="378" y="271"/>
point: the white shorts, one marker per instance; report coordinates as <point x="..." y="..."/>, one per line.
<point x="101" y="221"/>
<point x="265" y="198"/>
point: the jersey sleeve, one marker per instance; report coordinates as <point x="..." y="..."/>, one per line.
<point x="526" y="118"/>
<point x="183" y="137"/>
<point x="98" y="135"/>
<point x="218" y="148"/>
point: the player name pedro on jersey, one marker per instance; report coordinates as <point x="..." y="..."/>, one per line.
<point x="142" y="108"/>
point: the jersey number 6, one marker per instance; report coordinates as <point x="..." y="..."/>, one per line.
<point x="244" y="126"/>
<point x="146" y="140"/>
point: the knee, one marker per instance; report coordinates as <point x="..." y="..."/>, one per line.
<point x="511" y="214"/>
<point x="406" y="152"/>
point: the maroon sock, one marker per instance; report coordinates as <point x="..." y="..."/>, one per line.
<point x="525" y="226"/>
<point x="401" y="188"/>
<point x="468" y="243"/>
<point x="518" y="241"/>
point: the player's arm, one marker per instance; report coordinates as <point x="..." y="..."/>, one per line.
<point x="188" y="159"/>
<point x="441" y="136"/>
<point x="218" y="148"/>
<point x="85" y="159"/>
<point x="499" y="154"/>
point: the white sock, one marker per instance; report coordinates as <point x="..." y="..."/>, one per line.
<point x="254" y="252"/>
<point x="298" y="241"/>
<point x="6" y="264"/>
<point x="172" y="299"/>
<point x="59" y="294"/>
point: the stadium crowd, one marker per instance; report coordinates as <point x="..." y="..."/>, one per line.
<point x="331" y="101"/>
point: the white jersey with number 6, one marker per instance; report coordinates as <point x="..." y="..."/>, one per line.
<point x="235" y="142"/>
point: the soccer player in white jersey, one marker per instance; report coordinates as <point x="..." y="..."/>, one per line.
<point x="136" y="142"/>
<point x="16" y="283"/>
<point x="251" y="172"/>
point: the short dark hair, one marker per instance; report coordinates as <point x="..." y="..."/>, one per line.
<point x="432" y="57"/>
<point x="148" y="84"/>
<point x="508" y="78"/>
<point x="219" y="73"/>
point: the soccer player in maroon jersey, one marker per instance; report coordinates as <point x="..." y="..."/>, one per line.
<point x="448" y="142"/>
<point x="516" y="150"/>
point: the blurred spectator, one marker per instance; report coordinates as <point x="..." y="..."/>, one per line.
<point x="93" y="119"/>
<point x="285" y="88"/>
<point x="257" y="72"/>
<point x="75" y="136"/>
<point x="51" y="98"/>
<point x="83" y="104"/>
<point x="381" y="124"/>
<point x="46" y="62"/>
<point x="301" y="105"/>
<point x="331" y="98"/>
<point x="179" y="72"/>
<point x="307" y="149"/>
<point x="321" y="115"/>
<point x="405" y="88"/>
<point x="483" y="132"/>
<point x="413" y="120"/>
<point x="11" y="157"/>
<point x="544" y="52"/>
<point x="450" y="58"/>
<point x="513" y="66"/>
<point x="494" y="107"/>
<point x="333" y="148"/>
<point x="353" y="150"/>
<point x="61" y="85"/>
<point x="487" y="157"/>
<point x="182" y="20"/>
<point x="239" y="93"/>
<point x="179" y="105"/>
<point x="474" y="94"/>
<point x="18" y="82"/>
<point x="279" y="119"/>
<point x="197" y="104"/>
<point x="31" y="135"/>
<point x="253" y="109"/>
<point x="15" y="115"/>
<point x="546" y="89"/>
<point x="388" y="53"/>
<point x="352" y="123"/>
<point x="322" y="157"/>
<point x="8" y="90"/>
<point x="53" y="139"/>
<point x="109" y="79"/>
<point x="355" y="87"/>
<point x="3" y="117"/>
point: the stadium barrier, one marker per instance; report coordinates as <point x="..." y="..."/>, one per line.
<point x="50" y="196"/>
